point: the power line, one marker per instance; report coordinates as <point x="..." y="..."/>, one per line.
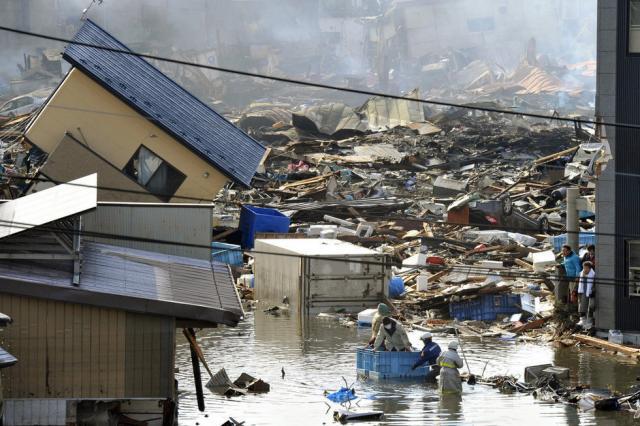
<point x="468" y="269"/>
<point x="320" y="85"/>
<point x="317" y="210"/>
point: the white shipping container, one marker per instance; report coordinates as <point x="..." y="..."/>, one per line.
<point x="319" y="275"/>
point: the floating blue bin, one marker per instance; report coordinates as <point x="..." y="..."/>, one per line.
<point x="396" y="287"/>
<point x="226" y="253"/>
<point x="382" y="365"/>
<point x="260" y="219"/>
<point x="486" y="307"/>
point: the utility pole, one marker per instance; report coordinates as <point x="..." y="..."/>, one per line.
<point x="573" y="225"/>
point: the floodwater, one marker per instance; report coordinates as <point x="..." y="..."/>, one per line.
<point x="317" y="355"/>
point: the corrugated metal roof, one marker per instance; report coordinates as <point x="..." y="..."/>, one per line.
<point x="161" y="100"/>
<point x="55" y="203"/>
<point x="135" y="281"/>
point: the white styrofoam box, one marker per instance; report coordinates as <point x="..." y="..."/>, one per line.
<point x="615" y="336"/>
<point x="365" y="318"/>
<point x="491" y="264"/>
<point x="316" y="230"/>
<point x="525" y="240"/>
<point x="422" y="282"/>
<point x="329" y="233"/>
<point x="543" y="259"/>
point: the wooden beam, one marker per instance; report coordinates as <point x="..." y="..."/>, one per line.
<point x="555" y="156"/>
<point x="600" y="343"/>
<point x="524" y="264"/>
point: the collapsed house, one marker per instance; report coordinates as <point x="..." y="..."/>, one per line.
<point x="94" y="320"/>
<point x="117" y="114"/>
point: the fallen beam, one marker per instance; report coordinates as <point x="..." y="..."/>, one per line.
<point x="603" y="344"/>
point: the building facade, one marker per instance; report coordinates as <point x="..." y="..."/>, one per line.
<point x="618" y="100"/>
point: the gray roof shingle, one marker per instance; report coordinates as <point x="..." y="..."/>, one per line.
<point x="162" y="101"/>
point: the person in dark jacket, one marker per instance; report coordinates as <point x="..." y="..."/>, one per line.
<point x="590" y="256"/>
<point x="429" y="354"/>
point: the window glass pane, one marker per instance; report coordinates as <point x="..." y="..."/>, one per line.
<point x="148" y="163"/>
<point x="634" y="26"/>
<point x="166" y="181"/>
<point x="634" y="255"/>
<point x="156" y="175"/>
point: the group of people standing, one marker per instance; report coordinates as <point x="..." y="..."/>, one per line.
<point x="388" y="334"/>
<point x="579" y="287"/>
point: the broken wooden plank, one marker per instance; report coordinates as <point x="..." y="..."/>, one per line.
<point x="524" y="264"/>
<point x="485" y="249"/>
<point x="603" y="344"/>
<point x="555" y="156"/>
<point x="530" y="325"/>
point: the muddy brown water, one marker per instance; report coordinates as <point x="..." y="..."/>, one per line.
<point x="317" y="354"/>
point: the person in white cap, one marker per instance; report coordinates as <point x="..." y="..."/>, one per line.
<point x="449" y="362"/>
<point x="429" y="355"/>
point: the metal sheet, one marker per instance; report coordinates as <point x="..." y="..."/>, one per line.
<point x="188" y="224"/>
<point x="52" y="204"/>
<point x="134" y="281"/>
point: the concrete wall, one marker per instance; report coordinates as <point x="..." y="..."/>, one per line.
<point x="178" y="223"/>
<point x="115" y="131"/>
<point x="605" y="190"/>
<point x="71" y="351"/>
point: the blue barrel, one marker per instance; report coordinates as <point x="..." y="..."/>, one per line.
<point x="396" y="287"/>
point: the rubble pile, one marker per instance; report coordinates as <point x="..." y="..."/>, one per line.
<point x="18" y="158"/>
<point x="470" y="207"/>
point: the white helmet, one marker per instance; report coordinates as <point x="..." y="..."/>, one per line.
<point x="426" y="336"/>
<point x="453" y="345"/>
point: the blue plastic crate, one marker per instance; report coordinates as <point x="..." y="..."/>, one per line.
<point x="486" y="307"/>
<point x="382" y="365"/>
<point x="260" y="219"/>
<point x="226" y="253"/>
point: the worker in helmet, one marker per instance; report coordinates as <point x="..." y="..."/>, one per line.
<point x="392" y="336"/>
<point x="383" y="311"/>
<point x="429" y="356"/>
<point x="449" y="362"/>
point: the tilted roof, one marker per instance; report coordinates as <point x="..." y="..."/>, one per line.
<point x="162" y="101"/>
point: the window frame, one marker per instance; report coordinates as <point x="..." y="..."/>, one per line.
<point x="165" y="196"/>
<point x="632" y="289"/>
<point x="628" y="30"/>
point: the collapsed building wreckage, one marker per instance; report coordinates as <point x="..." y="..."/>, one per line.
<point x="483" y="193"/>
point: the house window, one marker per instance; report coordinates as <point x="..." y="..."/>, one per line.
<point x="159" y="177"/>
<point x="634" y="26"/>
<point x="633" y="250"/>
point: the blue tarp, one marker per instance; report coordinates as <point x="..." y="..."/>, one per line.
<point x="343" y="395"/>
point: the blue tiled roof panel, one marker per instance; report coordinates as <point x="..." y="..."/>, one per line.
<point x="163" y="101"/>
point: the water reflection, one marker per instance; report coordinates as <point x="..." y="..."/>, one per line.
<point x="316" y="354"/>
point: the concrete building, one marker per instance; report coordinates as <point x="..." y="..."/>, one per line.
<point x="618" y="199"/>
<point x="116" y="112"/>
